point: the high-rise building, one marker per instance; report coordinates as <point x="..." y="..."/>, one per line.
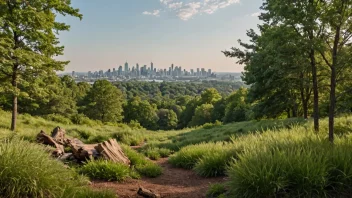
<point x="198" y="72"/>
<point x="120" y="71"/>
<point x="73" y="74"/>
<point x="209" y="72"/>
<point x="137" y="68"/>
<point x="151" y="68"/>
<point x="90" y="75"/>
<point x="126" y="68"/>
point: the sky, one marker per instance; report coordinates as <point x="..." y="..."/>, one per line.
<point x="187" y="33"/>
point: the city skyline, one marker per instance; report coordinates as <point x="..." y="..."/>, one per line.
<point x="191" y="33"/>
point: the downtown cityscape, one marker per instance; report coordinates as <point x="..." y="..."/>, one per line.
<point x="173" y="73"/>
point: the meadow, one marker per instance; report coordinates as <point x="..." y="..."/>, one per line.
<point x="268" y="158"/>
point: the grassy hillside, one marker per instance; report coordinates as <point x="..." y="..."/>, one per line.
<point x="266" y="158"/>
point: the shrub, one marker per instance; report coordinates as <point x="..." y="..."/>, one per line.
<point x="188" y="156"/>
<point x="26" y="170"/>
<point x="82" y="119"/>
<point x="58" y="118"/>
<point x="216" y="190"/>
<point x="106" y="170"/>
<point x="87" y="192"/>
<point x="135" y="125"/>
<point x="212" y="125"/>
<point x="164" y="152"/>
<point x="152" y="153"/>
<point x="213" y="165"/>
<point x="149" y="169"/>
<point x="142" y="165"/>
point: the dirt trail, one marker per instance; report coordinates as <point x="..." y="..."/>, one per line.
<point x="174" y="182"/>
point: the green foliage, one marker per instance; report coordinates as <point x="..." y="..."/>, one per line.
<point x="27" y="171"/>
<point x="236" y="107"/>
<point x="58" y="118"/>
<point x="209" y="96"/>
<point x="141" y="164"/>
<point x="202" y="115"/>
<point x="106" y="170"/>
<point x="141" y="111"/>
<point x="104" y="102"/>
<point x="212" y="125"/>
<point x="167" y="119"/>
<point x="28" y="53"/>
<point x="149" y="169"/>
<point x="152" y="153"/>
<point x="216" y="190"/>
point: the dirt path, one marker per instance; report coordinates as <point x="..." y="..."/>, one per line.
<point x="174" y="182"/>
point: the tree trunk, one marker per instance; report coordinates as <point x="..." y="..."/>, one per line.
<point x="14" y="99"/>
<point x="333" y="85"/>
<point x="303" y="97"/>
<point x="315" y="90"/>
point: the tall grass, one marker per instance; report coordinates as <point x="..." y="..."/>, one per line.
<point x="26" y="170"/>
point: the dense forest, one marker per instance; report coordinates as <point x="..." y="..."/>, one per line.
<point x="152" y="105"/>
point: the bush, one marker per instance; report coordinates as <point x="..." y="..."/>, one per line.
<point x="149" y="169"/>
<point x="216" y="190"/>
<point x="302" y="168"/>
<point x="82" y="119"/>
<point x="135" y="125"/>
<point x="58" y="118"/>
<point x="26" y="170"/>
<point x="188" y="156"/>
<point x="106" y="170"/>
<point x="142" y="165"/>
<point x="152" y="153"/>
<point x="164" y="152"/>
<point x="212" y="125"/>
<point x="213" y="165"/>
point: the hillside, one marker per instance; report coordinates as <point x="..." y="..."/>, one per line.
<point x="241" y="157"/>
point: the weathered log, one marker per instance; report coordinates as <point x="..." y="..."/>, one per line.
<point x="82" y="151"/>
<point x="58" y="135"/>
<point x="147" y="193"/>
<point x="43" y="138"/>
<point x="111" y="150"/>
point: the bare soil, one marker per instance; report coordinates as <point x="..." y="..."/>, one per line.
<point x="173" y="183"/>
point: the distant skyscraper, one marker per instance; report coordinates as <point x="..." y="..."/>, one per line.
<point x="137" y="68"/>
<point x="73" y="73"/>
<point x="120" y="71"/>
<point x="126" y="68"/>
<point x="152" y="68"/>
<point x="209" y="72"/>
<point x="198" y="72"/>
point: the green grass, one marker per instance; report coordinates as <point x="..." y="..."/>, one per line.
<point x="216" y="190"/>
<point x="107" y="170"/>
<point x="142" y="165"/>
<point x="26" y="170"/>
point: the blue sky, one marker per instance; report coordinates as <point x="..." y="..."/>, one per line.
<point x="188" y="33"/>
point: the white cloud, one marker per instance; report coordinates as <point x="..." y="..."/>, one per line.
<point x="176" y="5"/>
<point x="186" y="9"/>
<point x="153" y="13"/>
<point x="186" y="12"/>
<point x="256" y="14"/>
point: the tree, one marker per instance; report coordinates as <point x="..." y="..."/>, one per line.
<point x="236" y="106"/>
<point x="167" y="119"/>
<point x="28" y="42"/>
<point x="202" y="115"/>
<point x="104" y="102"/>
<point x="141" y="111"/>
<point x="210" y="96"/>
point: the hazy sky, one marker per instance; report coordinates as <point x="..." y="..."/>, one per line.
<point x="188" y="33"/>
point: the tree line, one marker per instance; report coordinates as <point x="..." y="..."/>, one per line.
<point x="298" y="61"/>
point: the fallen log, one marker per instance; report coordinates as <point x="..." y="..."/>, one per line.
<point x="111" y="150"/>
<point x="82" y="151"/>
<point x="147" y="193"/>
<point x="58" y="135"/>
<point x="43" y="138"/>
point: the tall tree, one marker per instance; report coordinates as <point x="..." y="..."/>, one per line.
<point x="28" y="42"/>
<point x="104" y="102"/>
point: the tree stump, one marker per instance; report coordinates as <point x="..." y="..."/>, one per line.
<point x="47" y="140"/>
<point x="58" y="135"/>
<point x="111" y="150"/>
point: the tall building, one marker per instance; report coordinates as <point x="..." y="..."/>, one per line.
<point x="126" y="68"/>
<point x="198" y="72"/>
<point x="73" y="74"/>
<point x="138" y="71"/>
<point x="209" y="72"/>
<point x="120" y="71"/>
<point x="152" y="68"/>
